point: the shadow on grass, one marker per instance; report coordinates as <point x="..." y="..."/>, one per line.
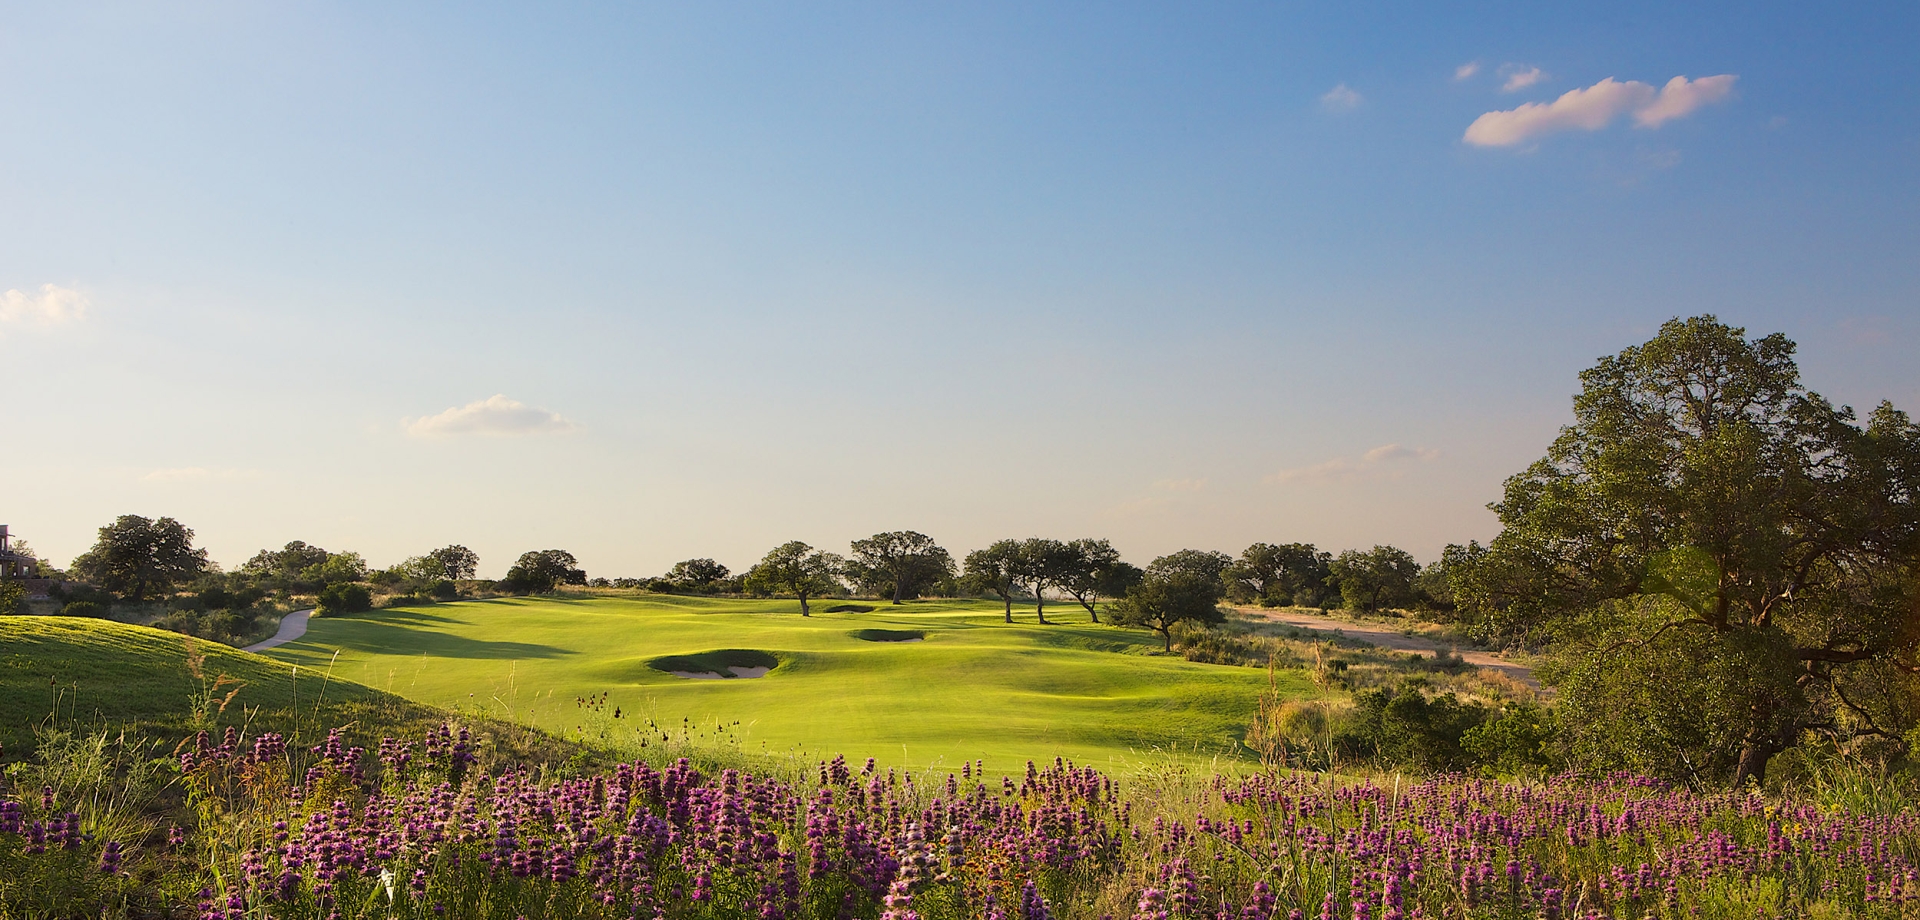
<point x="380" y="636"/>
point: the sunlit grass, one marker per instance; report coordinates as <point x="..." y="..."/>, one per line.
<point x="975" y="688"/>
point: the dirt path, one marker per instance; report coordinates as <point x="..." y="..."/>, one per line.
<point x="1387" y="638"/>
<point x="292" y="626"/>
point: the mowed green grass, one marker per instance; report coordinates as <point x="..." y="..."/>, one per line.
<point x="71" y="672"/>
<point x="975" y="688"/>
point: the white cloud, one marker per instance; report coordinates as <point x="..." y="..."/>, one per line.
<point x="1519" y="77"/>
<point x="1466" y="71"/>
<point x="1383" y="462"/>
<point x="1341" y="98"/>
<point x="1679" y="98"/>
<point x="1389" y="453"/>
<point x="496" y="415"/>
<point x="52" y="306"/>
<point x="1596" y="107"/>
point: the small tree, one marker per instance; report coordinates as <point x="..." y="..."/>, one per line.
<point x="996" y="569"/>
<point x="134" y="554"/>
<point x="538" y="571"/>
<point x="797" y="569"/>
<point x="456" y="562"/>
<point x="1178" y="588"/>
<point x="1042" y="564"/>
<point x="903" y="562"/>
<point x="1093" y="570"/>
<point x="698" y="574"/>
<point x="12" y="597"/>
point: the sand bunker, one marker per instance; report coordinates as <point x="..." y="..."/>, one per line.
<point x="850" y="608"/>
<point x="723" y="664"/>
<point x="890" y="635"/>
<point x="735" y="671"/>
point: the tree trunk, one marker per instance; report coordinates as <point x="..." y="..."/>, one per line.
<point x="1008" y="598"/>
<point x="803" y="606"/>
<point x="1753" y="763"/>
<point x="1167" y="634"/>
<point x="899" y="584"/>
<point x="1091" y="611"/>
<point x="1040" y="602"/>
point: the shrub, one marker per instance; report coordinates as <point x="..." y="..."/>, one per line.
<point x="1517" y="742"/>
<point x="444" y="589"/>
<point x="345" y="597"/>
<point x="82" y="609"/>
<point x="1410" y="729"/>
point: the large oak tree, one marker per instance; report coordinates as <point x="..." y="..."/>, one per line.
<point x="901" y="562"/>
<point x="134" y="554"/>
<point x="1726" y="560"/>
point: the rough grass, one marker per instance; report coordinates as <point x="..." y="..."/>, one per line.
<point x="80" y="675"/>
<point x="976" y="689"/>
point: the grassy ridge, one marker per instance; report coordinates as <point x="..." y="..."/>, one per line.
<point x="79" y="674"/>
<point x="975" y="688"/>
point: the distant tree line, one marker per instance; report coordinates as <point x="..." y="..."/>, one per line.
<point x="136" y="558"/>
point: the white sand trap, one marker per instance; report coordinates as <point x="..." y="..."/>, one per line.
<point x="737" y="670"/>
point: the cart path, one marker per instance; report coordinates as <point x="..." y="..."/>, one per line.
<point x="1387" y="638"/>
<point x="292" y="626"/>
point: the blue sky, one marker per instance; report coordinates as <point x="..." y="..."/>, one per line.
<point x="1177" y="275"/>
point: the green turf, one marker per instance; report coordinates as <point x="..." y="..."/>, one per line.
<point x="83" y="675"/>
<point x="71" y="671"/>
<point x="973" y="688"/>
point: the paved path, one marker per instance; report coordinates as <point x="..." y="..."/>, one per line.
<point x="292" y="626"/>
<point x="1385" y="637"/>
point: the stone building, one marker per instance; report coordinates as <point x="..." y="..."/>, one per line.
<point x="21" y="567"/>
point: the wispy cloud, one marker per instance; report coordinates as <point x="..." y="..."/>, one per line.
<point x="1341" y="98"/>
<point x="1519" y="77"/>
<point x="1466" y="71"/>
<point x="1597" y="106"/>
<point x="495" y="416"/>
<point x="51" y="306"/>
<point x="1388" y="461"/>
<point x="197" y="474"/>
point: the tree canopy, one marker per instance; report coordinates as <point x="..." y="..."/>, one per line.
<point x="902" y="563"/>
<point x="698" y="574"/>
<point x="797" y="569"/>
<point x="455" y="562"/>
<point x="1369" y="580"/>
<point x="1094" y="570"/>
<point x="1042" y="564"/>
<point x="1278" y="575"/>
<point x="996" y="570"/>
<point x="539" y="571"/>
<point x="1726" y="558"/>
<point x="1180" y="587"/>
<point x="134" y="554"/>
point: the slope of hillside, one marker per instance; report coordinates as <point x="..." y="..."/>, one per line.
<point x="79" y="673"/>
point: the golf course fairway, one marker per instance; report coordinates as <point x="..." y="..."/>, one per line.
<point x="954" y="684"/>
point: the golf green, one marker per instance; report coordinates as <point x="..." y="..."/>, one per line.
<point x="932" y="683"/>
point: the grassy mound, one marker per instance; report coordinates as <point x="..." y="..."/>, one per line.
<point x="978" y="688"/>
<point x="889" y="635"/>
<point x="85" y="675"/>
<point x="720" y="662"/>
